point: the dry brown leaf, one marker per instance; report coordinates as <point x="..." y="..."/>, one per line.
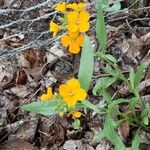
<point x="124" y="129"/>
<point x="17" y="144"/>
<point x="20" y="91"/>
<point x="27" y="130"/>
<point x="21" y="77"/>
<point x="5" y="77"/>
<point x="31" y="56"/>
<point x="22" y="62"/>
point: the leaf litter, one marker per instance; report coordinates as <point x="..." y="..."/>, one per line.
<point x="31" y="60"/>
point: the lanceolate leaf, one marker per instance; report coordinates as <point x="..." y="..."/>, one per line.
<point x="111" y="135"/>
<point x="103" y="83"/>
<point x="139" y="74"/>
<point x="136" y="142"/>
<point x="100" y="26"/>
<point x="86" y="64"/>
<point x="45" y="108"/>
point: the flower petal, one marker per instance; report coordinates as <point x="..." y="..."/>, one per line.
<point x="73" y="35"/>
<point x="49" y="92"/>
<point x="72" y="27"/>
<point x="80" y="40"/>
<point x="54" y="28"/>
<point x="73" y="6"/>
<point x="84" y="26"/>
<point x="73" y="83"/>
<point x="74" y="48"/>
<point x="80" y="94"/>
<point x="61" y="7"/>
<point x="84" y="16"/>
<point x="72" y="17"/>
<point x="76" y="114"/>
<point x="70" y="100"/>
<point x="81" y="6"/>
<point x="64" y="90"/>
<point x="65" y="40"/>
<point x="47" y="96"/>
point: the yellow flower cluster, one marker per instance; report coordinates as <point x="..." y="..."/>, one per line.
<point x="70" y="92"/>
<point x="76" y="21"/>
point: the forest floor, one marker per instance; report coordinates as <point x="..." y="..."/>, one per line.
<point x="32" y="60"/>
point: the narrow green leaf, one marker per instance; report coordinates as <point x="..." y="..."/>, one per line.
<point x="45" y="108"/>
<point x="76" y="124"/>
<point x="98" y="136"/>
<point x="86" y="64"/>
<point x="111" y="135"/>
<point x="91" y="106"/>
<point x="136" y="142"/>
<point x="132" y="77"/>
<point x="103" y="83"/>
<point x="100" y="26"/>
<point x="139" y="73"/>
<point x="120" y="101"/>
<point x="106" y="57"/>
<point x="144" y="114"/>
<point x="109" y="70"/>
<point x="114" y="8"/>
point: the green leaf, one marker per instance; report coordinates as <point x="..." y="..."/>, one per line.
<point x="136" y="142"/>
<point x="106" y="96"/>
<point x="76" y="124"/>
<point x="111" y="135"/>
<point x="133" y="103"/>
<point x="106" y="57"/>
<point x="98" y="136"/>
<point x="105" y="2"/>
<point x="100" y="26"/>
<point x="120" y="101"/>
<point x="140" y="74"/>
<point x="45" y="108"/>
<point x="91" y="106"/>
<point x="108" y="69"/>
<point x="144" y="114"/>
<point x="114" y="8"/>
<point x="103" y="83"/>
<point x="86" y="64"/>
<point x="132" y="77"/>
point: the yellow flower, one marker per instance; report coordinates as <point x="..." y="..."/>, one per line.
<point x="54" y="28"/>
<point x="73" y="40"/>
<point x="78" y="21"/>
<point x="75" y="6"/>
<point x="61" y="7"/>
<point x="47" y="96"/>
<point x="76" y="114"/>
<point x="72" y="92"/>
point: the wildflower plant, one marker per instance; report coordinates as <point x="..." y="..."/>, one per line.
<point x="70" y="99"/>
<point x="75" y="22"/>
<point x="72" y="96"/>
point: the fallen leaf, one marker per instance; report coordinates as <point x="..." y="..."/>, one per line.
<point x="20" y="91"/>
<point x="21" y="77"/>
<point x="31" y="56"/>
<point x="124" y="129"/>
<point x="17" y="144"/>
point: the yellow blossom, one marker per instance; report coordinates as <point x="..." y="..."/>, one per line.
<point x="78" y="21"/>
<point x="72" y="92"/>
<point x="76" y="114"/>
<point x="61" y="7"/>
<point x="47" y="96"/>
<point x="73" y="40"/>
<point x="54" y="28"/>
<point x="75" y="6"/>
